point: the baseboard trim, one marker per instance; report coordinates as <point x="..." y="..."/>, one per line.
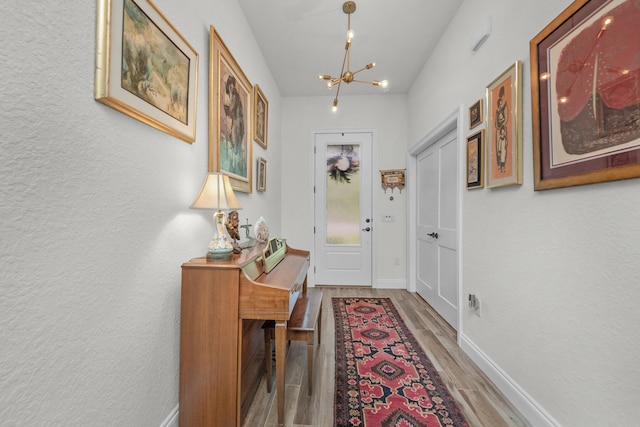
<point x="391" y="284"/>
<point x="172" y="419"/>
<point x="527" y="406"/>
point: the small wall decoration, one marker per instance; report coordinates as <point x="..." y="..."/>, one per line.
<point x="475" y="114"/>
<point x="229" y="116"/>
<point x="145" y="68"/>
<point x="260" y="117"/>
<point x="261" y="184"/>
<point x="392" y="178"/>
<point x="504" y="128"/>
<point x="585" y="99"/>
<point x="475" y="160"/>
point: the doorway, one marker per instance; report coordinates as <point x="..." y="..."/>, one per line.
<point x="434" y="219"/>
<point x="343" y="221"/>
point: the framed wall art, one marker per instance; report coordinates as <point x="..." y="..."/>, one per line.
<point x="585" y="94"/>
<point x="504" y="128"/>
<point x="475" y="114"/>
<point x="260" y="117"/>
<point x="145" y="68"/>
<point x="230" y="99"/>
<point x="261" y="180"/>
<point x="475" y="160"/>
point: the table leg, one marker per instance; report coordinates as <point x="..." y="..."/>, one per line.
<point x="281" y="340"/>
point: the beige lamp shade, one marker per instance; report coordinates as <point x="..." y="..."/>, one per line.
<point x="216" y="193"/>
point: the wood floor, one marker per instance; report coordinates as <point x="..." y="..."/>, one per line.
<point x="483" y="405"/>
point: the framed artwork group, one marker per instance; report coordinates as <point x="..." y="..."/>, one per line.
<point x="238" y="115"/>
<point x="146" y="69"/>
<point x="585" y="99"/>
<point x="500" y="158"/>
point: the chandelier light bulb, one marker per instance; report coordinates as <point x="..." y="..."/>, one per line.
<point x="384" y="83"/>
<point x="329" y="85"/>
<point x="349" y="35"/>
<point x="335" y="105"/>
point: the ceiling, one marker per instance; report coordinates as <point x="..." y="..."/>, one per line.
<point x="301" y="39"/>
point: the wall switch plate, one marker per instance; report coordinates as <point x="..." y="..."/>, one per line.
<point x="388" y="218"/>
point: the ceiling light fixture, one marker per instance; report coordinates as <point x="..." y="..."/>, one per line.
<point x="348" y="76"/>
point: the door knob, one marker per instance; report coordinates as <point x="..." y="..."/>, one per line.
<point x="434" y="235"/>
<point x="366" y="229"/>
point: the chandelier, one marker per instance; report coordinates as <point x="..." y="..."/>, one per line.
<point x="348" y="76"/>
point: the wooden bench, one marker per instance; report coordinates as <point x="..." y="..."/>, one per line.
<point x="305" y="318"/>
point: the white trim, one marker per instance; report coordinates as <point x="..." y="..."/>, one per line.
<point x="172" y="418"/>
<point x="528" y="407"/>
<point x="391" y="284"/>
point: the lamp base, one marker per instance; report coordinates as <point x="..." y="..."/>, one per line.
<point x="220" y="256"/>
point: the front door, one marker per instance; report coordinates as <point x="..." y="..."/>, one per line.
<point x="436" y="228"/>
<point x="343" y="223"/>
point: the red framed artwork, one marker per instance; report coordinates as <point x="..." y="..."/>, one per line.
<point x="585" y="91"/>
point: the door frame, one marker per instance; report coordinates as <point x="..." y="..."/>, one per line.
<point x="454" y="121"/>
<point x="311" y="278"/>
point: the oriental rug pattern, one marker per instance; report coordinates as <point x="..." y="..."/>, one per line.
<point x="383" y="377"/>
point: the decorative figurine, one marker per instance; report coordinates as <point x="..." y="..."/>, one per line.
<point x="262" y="230"/>
<point x="232" y="229"/>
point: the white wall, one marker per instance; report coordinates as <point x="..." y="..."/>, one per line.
<point x="556" y="271"/>
<point x="94" y="220"/>
<point x="387" y="114"/>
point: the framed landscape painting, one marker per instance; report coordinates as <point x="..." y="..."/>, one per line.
<point x="230" y="99"/>
<point x="504" y="128"/>
<point x="585" y="94"/>
<point x="145" y="68"/>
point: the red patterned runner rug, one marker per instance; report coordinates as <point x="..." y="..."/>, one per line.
<point x="383" y="377"/>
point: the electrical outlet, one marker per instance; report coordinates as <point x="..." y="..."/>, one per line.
<point x="474" y="304"/>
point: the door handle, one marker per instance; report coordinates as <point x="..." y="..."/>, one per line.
<point x="434" y="235"/>
<point x="366" y="229"/>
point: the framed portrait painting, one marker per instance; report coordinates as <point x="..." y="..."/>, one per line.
<point x="260" y="117"/>
<point x="230" y="99"/>
<point x="504" y="128"/>
<point x="475" y="160"/>
<point x="585" y="94"/>
<point x="145" y="68"/>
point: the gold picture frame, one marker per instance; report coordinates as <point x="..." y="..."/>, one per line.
<point x="260" y="117"/>
<point x="504" y="128"/>
<point x="261" y="175"/>
<point x="475" y="160"/>
<point x="585" y="102"/>
<point x="154" y="81"/>
<point x="230" y="101"/>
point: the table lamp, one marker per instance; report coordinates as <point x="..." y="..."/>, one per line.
<point x="216" y="193"/>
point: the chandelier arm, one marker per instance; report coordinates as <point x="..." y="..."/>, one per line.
<point x="363" y="81"/>
<point x="344" y="61"/>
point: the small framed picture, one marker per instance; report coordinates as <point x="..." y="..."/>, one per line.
<point x="475" y="114"/>
<point x="260" y="117"/>
<point x="261" y="184"/>
<point x="475" y="160"/>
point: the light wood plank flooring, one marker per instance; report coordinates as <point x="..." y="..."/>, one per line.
<point x="483" y="405"/>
